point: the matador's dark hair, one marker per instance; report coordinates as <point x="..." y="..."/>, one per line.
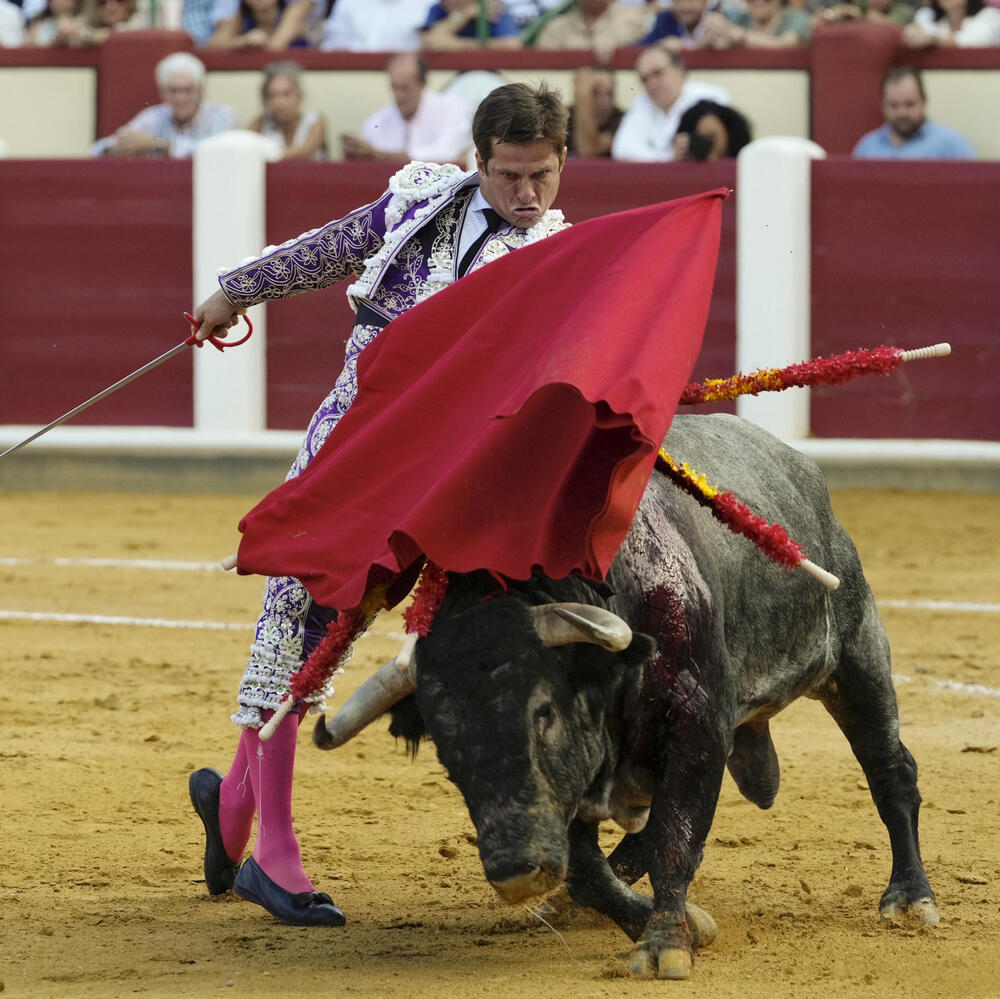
<point x="519" y="113"/>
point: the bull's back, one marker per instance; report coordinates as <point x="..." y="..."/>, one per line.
<point x="773" y="633"/>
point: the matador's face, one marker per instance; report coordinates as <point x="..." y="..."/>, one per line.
<point x="521" y="179"/>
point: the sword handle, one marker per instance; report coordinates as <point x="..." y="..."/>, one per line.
<point x="216" y="342"/>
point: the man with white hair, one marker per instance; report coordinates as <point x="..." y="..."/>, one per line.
<point x="176" y="126"/>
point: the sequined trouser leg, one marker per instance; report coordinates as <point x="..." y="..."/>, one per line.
<point x="291" y="623"/>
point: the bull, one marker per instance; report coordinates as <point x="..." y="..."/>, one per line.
<point x="557" y="704"/>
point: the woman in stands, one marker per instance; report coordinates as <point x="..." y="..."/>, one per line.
<point x="709" y="131"/>
<point x="264" y="24"/>
<point x="101" y="17"/>
<point x="301" y="134"/>
<point x="60" y="24"/>
<point x="961" y="23"/>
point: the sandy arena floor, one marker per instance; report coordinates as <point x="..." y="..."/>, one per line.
<point x="100" y="855"/>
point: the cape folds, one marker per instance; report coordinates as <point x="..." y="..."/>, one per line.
<point x="509" y="422"/>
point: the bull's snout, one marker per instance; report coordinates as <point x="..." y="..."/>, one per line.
<point x="518" y="883"/>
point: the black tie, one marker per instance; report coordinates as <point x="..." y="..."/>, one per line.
<point x="493" y="224"/>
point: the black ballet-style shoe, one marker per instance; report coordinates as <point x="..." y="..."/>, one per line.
<point x="220" y="871"/>
<point x="307" y="908"/>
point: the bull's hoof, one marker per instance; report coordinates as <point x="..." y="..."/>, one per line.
<point x="924" y="909"/>
<point x="669" y="963"/>
<point x="702" y="926"/>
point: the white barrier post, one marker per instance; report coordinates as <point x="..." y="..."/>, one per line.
<point x="773" y="275"/>
<point x="229" y="216"/>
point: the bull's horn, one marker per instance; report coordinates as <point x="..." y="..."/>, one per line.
<point x="374" y="697"/>
<point x="560" y="624"/>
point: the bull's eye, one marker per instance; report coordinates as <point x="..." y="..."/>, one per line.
<point x="544" y="717"/>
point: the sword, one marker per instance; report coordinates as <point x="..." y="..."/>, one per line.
<point x="191" y="341"/>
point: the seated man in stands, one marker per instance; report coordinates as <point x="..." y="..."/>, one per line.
<point x="690" y="24"/>
<point x="599" y="25"/>
<point x="421" y="124"/>
<point x="454" y="25"/>
<point x="375" y="25"/>
<point x="646" y="133"/>
<point x="907" y="132"/>
<point x="175" y="127"/>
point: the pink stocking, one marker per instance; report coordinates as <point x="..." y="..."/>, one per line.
<point x="236" y="799"/>
<point x="272" y="765"/>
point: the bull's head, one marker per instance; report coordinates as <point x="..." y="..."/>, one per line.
<point x="516" y="699"/>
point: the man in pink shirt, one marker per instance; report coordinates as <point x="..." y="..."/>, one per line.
<point x="421" y="124"/>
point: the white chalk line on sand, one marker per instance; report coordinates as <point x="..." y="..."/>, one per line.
<point x="175" y="565"/>
<point x="133" y="622"/>
<point x="168" y="565"/>
<point x="953" y="606"/>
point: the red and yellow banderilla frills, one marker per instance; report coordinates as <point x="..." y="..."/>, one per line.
<point x="834" y="370"/>
<point x="771" y="539"/>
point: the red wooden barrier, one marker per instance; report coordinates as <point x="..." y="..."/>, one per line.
<point x="95" y="271"/>
<point x="907" y="254"/>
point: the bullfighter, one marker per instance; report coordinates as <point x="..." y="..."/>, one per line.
<point x="433" y="224"/>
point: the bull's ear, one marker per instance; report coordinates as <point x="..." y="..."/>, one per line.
<point x="641" y="650"/>
<point x="407" y="723"/>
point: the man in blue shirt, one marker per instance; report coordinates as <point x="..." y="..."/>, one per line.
<point x="466" y="24"/>
<point x="907" y="133"/>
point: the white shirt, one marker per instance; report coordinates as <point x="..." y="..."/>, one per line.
<point x="982" y="29"/>
<point x="440" y="131"/>
<point x="11" y="26"/>
<point x="475" y="223"/>
<point x="646" y="133"/>
<point x="375" y="25"/>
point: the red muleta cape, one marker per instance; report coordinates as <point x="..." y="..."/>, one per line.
<point x="509" y="422"/>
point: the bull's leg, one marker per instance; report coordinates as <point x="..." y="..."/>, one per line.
<point x="593" y="883"/>
<point x="628" y="859"/>
<point x="687" y="791"/>
<point x="861" y="699"/>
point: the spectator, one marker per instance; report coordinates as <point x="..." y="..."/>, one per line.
<point x="527" y="12"/>
<point x="768" y="24"/>
<point x="873" y="11"/>
<point x="954" y="23"/>
<point x="176" y="126"/>
<point x="421" y="124"/>
<point x="59" y="24"/>
<point x="11" y="26"/>
<point x="101" y="17"/>
<point x="690" y="24"/>
<point x="594" y="116"/>
<point x="710" y="131"/>
<point x="464" y="24"/>
<point x="301" y="134"/>
<point x="375" y="25"/>
<point x="199" y="20"/>
<point x="907" y="132"/>
<point x="264" y="24"/>
<point x="647" y="131"/>
<point x="599" y="25"/>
